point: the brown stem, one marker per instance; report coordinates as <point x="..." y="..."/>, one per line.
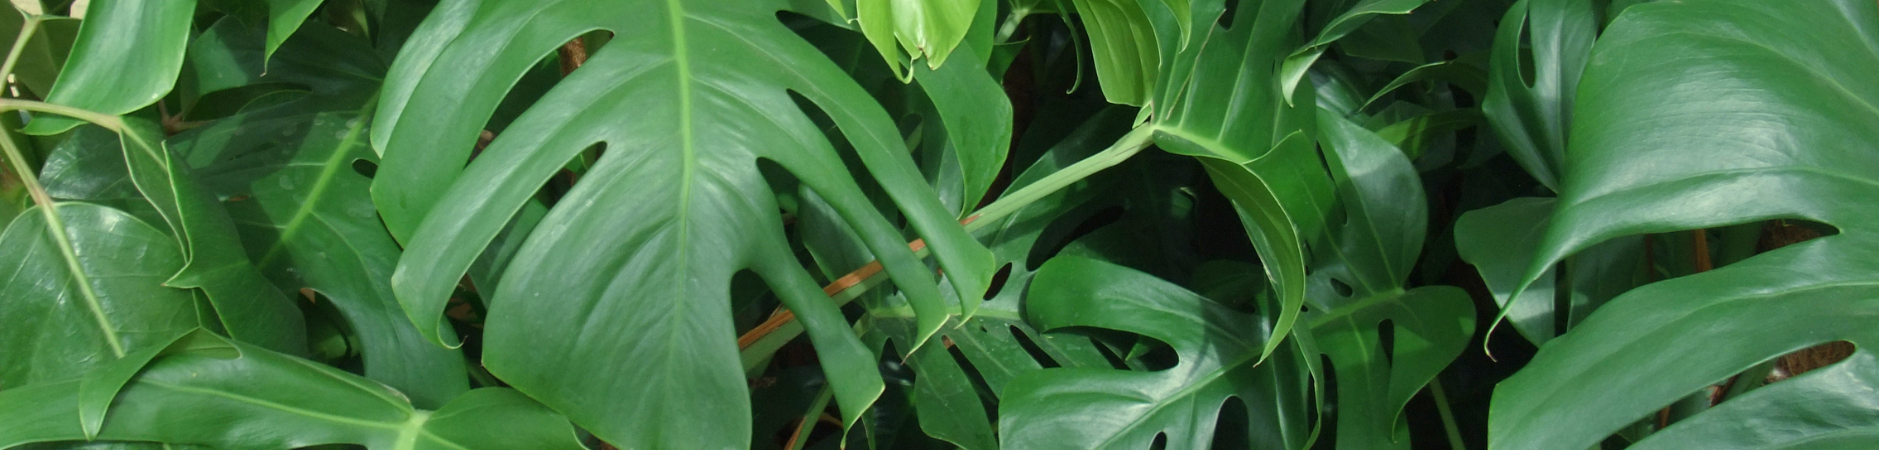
<point x="1702" y="251"/>
<point x="784" y="316"/>
<point x="573" y="55"/>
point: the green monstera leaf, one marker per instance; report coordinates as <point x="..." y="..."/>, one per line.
<point x="242" y="396"/>
<point x="1218" y="348"/>
<point x="621" y="292"/>
<point x="944" y="389"/>
<point x="1532" y="118"/>
<point x="1258" y="146"/>
<point x="1369" y="255"/>
<point x="1698" y="114"/>
<point x="304" y="212"/>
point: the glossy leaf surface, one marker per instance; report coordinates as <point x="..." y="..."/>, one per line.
<point x="242" y="396"/>
<point x="1532" y="117"/>
<point x="1089" y="408"/>
<point x="126" y="56"/>
<point x="1257" y="145"/>
<point x="1767" y="110"/>
<point x="69" y="316"/>
<point x="1370" y="253"/>
<point x="251" y="309"/>
<point x="633" y="276"/>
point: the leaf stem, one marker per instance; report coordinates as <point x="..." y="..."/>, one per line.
<point x="47" y="207"/>
<point x="109" y="122"/>
<point x="19" y="45"/>
<point x="1010" y="27"/>
<point x="780" y="328"/>
<point x="1448" y="415"/>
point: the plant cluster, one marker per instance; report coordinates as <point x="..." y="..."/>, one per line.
<point x="905" y="224"/>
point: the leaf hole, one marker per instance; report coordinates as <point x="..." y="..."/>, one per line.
<point x="1785" y="232"/>
<point x="987" y="399"/>
<point x="1031" y="347"/>
<point x="1227" y="17"/>
<point x="521" y="96"/>
<point x="1809" y="359"/>
<point x="365" y="168"/>
<point x="1341" y="288"/>
<point x="1386" y="339"/>
<point x="1067" y="229"/>
<point x="1232" y="420"/>
<point x="998" y="281"/>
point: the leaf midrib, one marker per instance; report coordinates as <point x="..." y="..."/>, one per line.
<point x="681" y="61"/>
<point x="408" y="431"/>
<point x="318" y="192"/>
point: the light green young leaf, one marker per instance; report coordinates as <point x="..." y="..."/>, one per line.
<point x="1127" y="45"/>
<point x="924" y="29"/>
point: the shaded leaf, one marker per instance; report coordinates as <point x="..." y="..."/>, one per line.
<point x="251" y="309"/>
<point x="45" y="51"/>
<point x="1296" y="64"/>
<point x="974" y="111"/>
<point x="1256" y="144"/>
<point x="307" y="218"/>
<point x="242" y="396"/>
<point x="1532" y="117"/>
<point x="1090" y="408"/>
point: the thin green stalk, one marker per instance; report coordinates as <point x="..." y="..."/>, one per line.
<point x="19" y="45"/>
<point x="47" y="207"/>
<point x="1012" y="202"/>
<point x="109" y="122"/>
<point x="1012" y="21"/>
<point x="1448" y="416"/>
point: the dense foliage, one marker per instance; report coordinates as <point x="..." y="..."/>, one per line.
<point x="1268" y="224"/>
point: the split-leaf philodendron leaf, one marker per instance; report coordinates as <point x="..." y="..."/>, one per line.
<point x="567" y="224"/>
<point x="620" y="292"/>
<point x="1699" y="114"/>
